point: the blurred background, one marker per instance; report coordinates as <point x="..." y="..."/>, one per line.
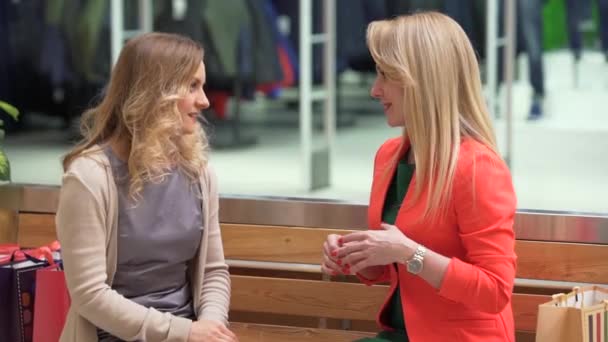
<point x="288" y="81"/>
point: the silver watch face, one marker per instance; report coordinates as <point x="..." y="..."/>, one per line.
<point x="414" y="266"/>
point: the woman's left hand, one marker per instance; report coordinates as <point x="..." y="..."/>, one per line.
<point x="374" y="247"/>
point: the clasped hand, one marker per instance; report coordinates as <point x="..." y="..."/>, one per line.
<point x="351" y="253"/>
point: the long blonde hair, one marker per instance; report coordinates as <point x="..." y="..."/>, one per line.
<point x="431" y="56"/>
<point x="153" y="72"/>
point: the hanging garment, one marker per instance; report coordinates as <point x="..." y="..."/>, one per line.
<point x="54" y="57"/>
<point x="92" y="40"/>
<point x="281" y="48"/>
<point x="351" y="49"/>
<point x="399" y="7"/>
<point x="223" y="37"/>
<point x="264" y="44"/>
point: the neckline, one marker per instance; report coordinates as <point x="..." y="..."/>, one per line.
<point x="110" y="153"/>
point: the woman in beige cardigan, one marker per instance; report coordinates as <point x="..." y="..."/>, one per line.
<point x="138" y="210"/>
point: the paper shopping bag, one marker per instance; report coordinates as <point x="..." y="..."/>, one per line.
<point x="52" y="304"/>
<point x="17" y="286"/>
<point x="579" y="316"/>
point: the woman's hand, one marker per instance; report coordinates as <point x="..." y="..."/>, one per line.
<point x="331" y="265"/>
<point x="361" y="250"/>
<point x="205" y="330"/>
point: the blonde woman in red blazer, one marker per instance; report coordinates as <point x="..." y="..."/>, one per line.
<point x="449" y="250"/>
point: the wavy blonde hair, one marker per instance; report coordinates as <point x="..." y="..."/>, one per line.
<point x="432" y="57"/>
<point x="153" y="72"/>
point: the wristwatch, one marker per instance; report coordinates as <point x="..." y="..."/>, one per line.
<point x="415" y="263"/>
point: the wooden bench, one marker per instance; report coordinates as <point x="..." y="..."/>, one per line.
<point x="279" y="294"/>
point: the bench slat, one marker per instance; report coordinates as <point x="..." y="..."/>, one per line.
<point x="574" y="262"/>
<point x="340" y="300"/>
<point x="583" y="263"/>
<point x="525" y="336"/>
<point x="36" y="229"/>
<point x="276" y="244"/>
<point x="248" y="332"/>
<point x="525" y="310"/>
<point x="306" y="297"/>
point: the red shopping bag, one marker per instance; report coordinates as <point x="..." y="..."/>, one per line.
<point x="17" y="290"/>
<point x="52" y="304"/>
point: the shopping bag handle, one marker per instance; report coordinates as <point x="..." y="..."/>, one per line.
<point x="559" y="298"/>
<point x="577" y="292"/>
<point x="38" y="254"/>
<point x="35" y="255"/>
<point x="17" y="254"/>
<point x="41" y="252"/>
<point x="54" y="246"/>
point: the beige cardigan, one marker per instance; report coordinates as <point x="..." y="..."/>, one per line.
<point x="86" y="226"/>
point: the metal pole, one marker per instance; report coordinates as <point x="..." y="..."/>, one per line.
<point x="330" y="79"/>
<point x="145" y="15"/>
<point x="116" y="28"/>
<point x="509" y="62"/>
<point x="305" y="92"/>
<point x="491" y="55"/>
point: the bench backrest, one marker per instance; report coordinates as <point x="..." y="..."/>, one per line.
<point x="558" y="261"/>
<point x="276" y="275"/>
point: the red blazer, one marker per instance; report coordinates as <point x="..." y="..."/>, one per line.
<point x="474" y="301"/>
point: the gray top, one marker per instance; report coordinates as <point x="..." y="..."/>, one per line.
<point x="157" y="238"/>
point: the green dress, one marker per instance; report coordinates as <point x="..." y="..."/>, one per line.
<point x="393" y="314"/>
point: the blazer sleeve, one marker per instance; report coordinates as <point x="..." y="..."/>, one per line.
<point x="81" y="221"/>
<point x="485" y="204"/>
<point x="384" y="277"/>
<point x="215" y="293"/>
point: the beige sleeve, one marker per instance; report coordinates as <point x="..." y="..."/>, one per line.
<point x="215" y="293"/>
<point x="81" y="221"/>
